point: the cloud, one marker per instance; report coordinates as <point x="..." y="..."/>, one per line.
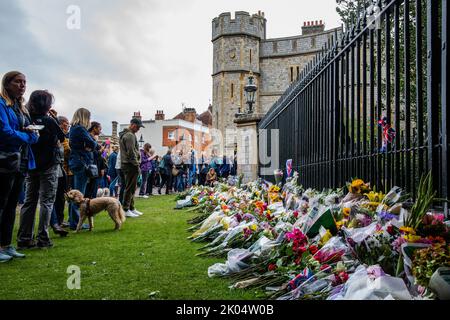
<point x="129" y="55"/>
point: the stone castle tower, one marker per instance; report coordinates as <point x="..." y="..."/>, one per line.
<point x="240" y="47"/>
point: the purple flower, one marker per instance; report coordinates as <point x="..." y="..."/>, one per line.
<point x="397" y="244"/>
<point x="387" y="216"/>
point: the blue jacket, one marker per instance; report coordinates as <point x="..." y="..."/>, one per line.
<point x="112" y="160"/>
<point x="224" y="168"/>
<point x="79" y="140"/>
<point x="11" y="138"/>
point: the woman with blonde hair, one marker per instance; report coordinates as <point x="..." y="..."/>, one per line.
<point x="211" y="177"/>
<point x="81" y="157"/>
<point x="16" y="157"/>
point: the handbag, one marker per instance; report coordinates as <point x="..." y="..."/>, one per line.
<point x="91" y="171"/>
<point x="175" y="172"/>
<point x="9" y="162"/>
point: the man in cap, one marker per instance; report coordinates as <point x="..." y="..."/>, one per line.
<point x="130" y="159"/>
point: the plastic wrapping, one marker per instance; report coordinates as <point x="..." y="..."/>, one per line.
<point x="332" y="251"/>
<point x="234" y="263"/>
<point x="358" y="235"/>
<point x="212" y="221"/>
<point x="362" y="287"/>
<point x="184" y="203"/>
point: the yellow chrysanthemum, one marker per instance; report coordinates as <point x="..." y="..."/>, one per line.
<point x="225" y="224"/>
<point x="339" y="224"/>
<point x="358" y="186"/>
<point x="346" y="212"/>
<point x="375" y="196"/>
<point x="254" y="227"/>
<point x="408" y="230"/>
<point x="412" y="238"/>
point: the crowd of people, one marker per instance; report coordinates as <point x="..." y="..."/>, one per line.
<point x="43" y="155"/>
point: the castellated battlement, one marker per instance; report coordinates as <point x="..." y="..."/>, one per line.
<point x="242" y="24"/>
<point x="303" y="44"/>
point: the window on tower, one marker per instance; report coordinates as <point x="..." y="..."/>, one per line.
<point x="232" y="90"/>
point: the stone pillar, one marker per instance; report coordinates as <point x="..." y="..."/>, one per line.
<point x="247" y="145"/>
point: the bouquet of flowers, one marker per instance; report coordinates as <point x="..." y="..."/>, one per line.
<point x="278" y="176"/>
<point x="427" y="261"/>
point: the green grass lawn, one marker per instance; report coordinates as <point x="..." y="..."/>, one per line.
<point x="149" y="254"/>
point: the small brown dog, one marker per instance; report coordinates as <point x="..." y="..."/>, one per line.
<point x="90" y="207"/>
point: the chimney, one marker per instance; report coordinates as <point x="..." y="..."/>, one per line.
<point x="313" y="27"/>
<point x="159" y="116"/>
<point x="137" y="115"/>
<point x="114" y="128"/>
<point x="189" y="114"/>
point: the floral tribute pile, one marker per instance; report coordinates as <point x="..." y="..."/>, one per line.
<point x="352" y="243"/>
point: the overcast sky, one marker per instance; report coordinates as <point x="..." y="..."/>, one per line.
<point x="131" y="55"/>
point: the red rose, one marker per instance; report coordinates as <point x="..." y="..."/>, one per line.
<point x="272" y="267"/>
<point x="313" y="249"/>
<point x="295" y="214"/>
<point x="344" y="276"/>
<point x="390" y="230"/>
<point x="323" y="267"/>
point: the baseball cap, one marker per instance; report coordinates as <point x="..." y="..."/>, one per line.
<point x="137" y="122"/>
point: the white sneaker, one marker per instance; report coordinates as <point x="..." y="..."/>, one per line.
<point x="137" y="213"/>
<point x="130" y="214"/>
<point x="145" y="197"/>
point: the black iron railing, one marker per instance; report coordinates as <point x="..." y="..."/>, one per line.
<point x="392" y="64"/>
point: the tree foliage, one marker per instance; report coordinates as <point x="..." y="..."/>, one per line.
<point x="349" y="10"/>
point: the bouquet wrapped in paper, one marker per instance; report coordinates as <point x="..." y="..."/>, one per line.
<point x="278" y="176"/>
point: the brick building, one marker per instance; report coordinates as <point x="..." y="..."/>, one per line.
<point x="185" y="131"/>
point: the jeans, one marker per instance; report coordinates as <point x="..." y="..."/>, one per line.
<point x="150" y="182"/>
<point x="60" y="201"/>
<point x="10" y="187"/>
<point x="143" y="189"/>
<point x="42" y="187"/>
<point x="166" y="179"/>
<point x="92" y="187"/>
<point x="179" y="186"/>
<point x="112" y="186"/>
<point x="80" y="181"/>
<point x="192" y="177"/>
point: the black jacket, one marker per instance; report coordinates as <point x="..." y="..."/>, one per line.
<point x="46" y="151"/>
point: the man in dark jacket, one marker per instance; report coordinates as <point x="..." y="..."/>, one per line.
<point x="130" y="161"/>
<point x="224" y="168"/>
<point x="166" y="172"/>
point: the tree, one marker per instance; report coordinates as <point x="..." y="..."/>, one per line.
<point x="349" y="10"/>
